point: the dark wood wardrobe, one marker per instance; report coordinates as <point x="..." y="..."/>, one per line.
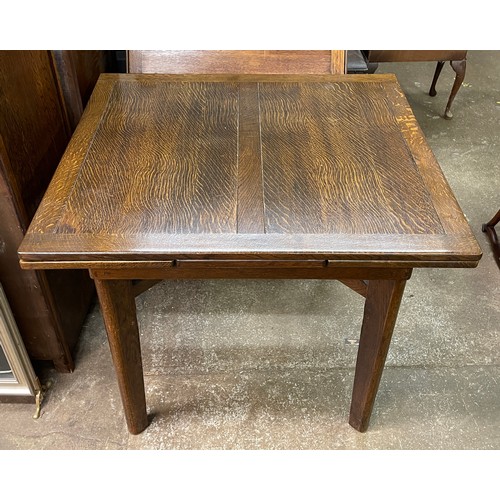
<point x="42" y="96"/>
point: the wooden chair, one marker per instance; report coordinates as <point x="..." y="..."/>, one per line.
<point x="457" y="60"/>
<point x="237" y="61"/>
<point x="489" y="229"/>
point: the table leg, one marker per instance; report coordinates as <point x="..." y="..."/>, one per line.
<point x="381" y="310"/>
<point x="118" y="309"/>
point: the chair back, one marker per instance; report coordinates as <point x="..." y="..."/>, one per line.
<point x="247" y="62"/>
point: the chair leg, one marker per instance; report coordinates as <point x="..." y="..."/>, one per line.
<point x="489" y="229"/>
<point x="439" y="67"/>
<point x="459" y="68"/>
<point x="493" y="222"/>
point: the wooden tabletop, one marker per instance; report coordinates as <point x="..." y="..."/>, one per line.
<point x="319" y="167"/>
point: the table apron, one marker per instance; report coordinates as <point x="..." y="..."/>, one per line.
<point x="250" y="272"/>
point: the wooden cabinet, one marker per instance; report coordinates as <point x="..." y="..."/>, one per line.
<point x="37" y="117"/>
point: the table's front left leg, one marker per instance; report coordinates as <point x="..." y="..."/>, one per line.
<point x="118" y="309"/>
<point x="381" y="310"/>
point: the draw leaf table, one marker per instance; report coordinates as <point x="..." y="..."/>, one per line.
<point x="271" y="177"/>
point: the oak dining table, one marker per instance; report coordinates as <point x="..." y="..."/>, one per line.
<point x="248" y="177"/>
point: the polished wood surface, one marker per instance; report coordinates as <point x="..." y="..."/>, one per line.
<point x="49" y="307"/>
<point x="268" y="170"/>
<point x="248" y="177"/>
<point x="237" y="61"/>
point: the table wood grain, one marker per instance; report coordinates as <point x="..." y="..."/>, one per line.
<point x="297" y="62"/>
<point x="327" y="167"/>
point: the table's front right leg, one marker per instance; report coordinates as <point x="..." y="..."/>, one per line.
<point x="118" y="309"/>
<point x="381" y="309"/>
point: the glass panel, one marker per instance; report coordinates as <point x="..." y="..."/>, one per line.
<point x="6" y="374"/>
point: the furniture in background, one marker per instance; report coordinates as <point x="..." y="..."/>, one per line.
<point x="489" y="229"/>
<point x="357" y="62"/>
<point x="237" y="61"/>
<point x="18" y="381"/>
<point x="457" y="59"/>
<point x="42" y="95"/>
<point x="77" y="72"/>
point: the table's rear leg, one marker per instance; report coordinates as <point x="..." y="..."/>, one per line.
<point x="118" y="309"/>
<point x="381" y="310"/>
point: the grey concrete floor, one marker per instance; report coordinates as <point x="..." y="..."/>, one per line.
<point x="269" y="364"/>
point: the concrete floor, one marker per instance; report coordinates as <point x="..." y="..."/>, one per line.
<point x="269" y="365"/>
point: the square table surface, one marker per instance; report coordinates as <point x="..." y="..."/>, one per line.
<point x="329" y="168"/>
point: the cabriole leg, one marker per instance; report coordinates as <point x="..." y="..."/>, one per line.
<point x="459" y="68"/>
<point x="439" y="67"/>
